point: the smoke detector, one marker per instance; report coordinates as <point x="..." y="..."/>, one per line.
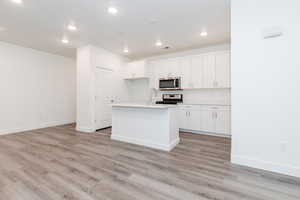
<point x="167" y="47"/>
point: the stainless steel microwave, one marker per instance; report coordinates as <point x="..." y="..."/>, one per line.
<point x="170" y="83"/>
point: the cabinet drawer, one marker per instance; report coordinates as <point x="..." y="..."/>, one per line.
<point x="204" y="107"/>
<point x="216" y="108"/>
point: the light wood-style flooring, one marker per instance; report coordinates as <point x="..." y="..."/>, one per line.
<point x="60" y="163"/>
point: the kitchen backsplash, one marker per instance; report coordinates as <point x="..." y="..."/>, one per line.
<point x="203" y="96"/>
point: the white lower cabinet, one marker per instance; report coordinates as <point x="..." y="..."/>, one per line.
<point x="182" y="118"/>
<point x="222" y="120"/>
<point x="212" y="119"/>
<point x="207" y="121"/>
<point x="193" y="122"/>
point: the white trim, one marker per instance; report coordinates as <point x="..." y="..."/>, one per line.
<point x="174" y="143"/>
<point x="146" y="143"/>
<point x="29" y="128"/>
<point x="205" y="133"/>
<point x="268" y="166"/>
<point x="85" y="129"/>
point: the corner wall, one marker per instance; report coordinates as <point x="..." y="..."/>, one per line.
<point x="88" y="59"/>
<point x="37" y="89"/>
<point x="265" y="86"/>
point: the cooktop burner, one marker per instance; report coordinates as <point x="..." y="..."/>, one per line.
<point x="167" y="102"/>
<point x="171" y="99"/>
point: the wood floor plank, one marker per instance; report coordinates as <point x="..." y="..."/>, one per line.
<point x="60" y="163"/>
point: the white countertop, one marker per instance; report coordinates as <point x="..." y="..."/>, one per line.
<point x="151" y="106"/>
<point x="204" y="104"/>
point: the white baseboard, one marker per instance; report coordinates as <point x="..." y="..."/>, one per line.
<point x="205" y="133"/>
<point x="30" y="128"/>
<point x="85" y="129"/>
<point x="268" y="166"/>
<point x="163" y="147"/>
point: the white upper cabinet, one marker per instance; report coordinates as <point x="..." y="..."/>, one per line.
<point x="196" y="72"/>
<point x="222" y="79"/>
<point x="184" y="65"/>
<point x="136" y="69"/>
<point x="208" y="73"/>
<point x="211" y="70"/>
<point x="172" y="68"/>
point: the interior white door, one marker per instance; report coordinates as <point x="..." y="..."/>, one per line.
<point x="222" y="70"/>
<point x="104" y="97"/>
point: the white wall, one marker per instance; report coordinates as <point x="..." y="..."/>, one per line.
<point x="266" y="85"/>
<point x="88" y="59"/>
<point x="139" y="90"/>
<point x="85" y="90"/>
<point x="37" y="89"/>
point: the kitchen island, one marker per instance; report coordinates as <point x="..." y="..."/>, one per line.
<point x="150" y="125"/>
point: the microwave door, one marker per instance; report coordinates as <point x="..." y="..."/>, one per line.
<point x="165" y="84"/>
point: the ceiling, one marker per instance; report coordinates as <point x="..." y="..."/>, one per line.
<point x="41" y="24"/>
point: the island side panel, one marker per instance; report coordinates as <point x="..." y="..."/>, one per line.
<point x="142" y="126"/>
<point x="174" y="127"/>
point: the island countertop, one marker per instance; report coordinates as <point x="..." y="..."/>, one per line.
<point x="137" y="105"/>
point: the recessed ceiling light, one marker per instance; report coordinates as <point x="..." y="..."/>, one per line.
<point x="72" y="27"/>
<point x="126" y="50"/>
<point x="65" y="41"/>
<point x="203" y="34"/>
<point x="158" y="43"/>
<point x="113" y="10"/>
<point x="17" y="1"/>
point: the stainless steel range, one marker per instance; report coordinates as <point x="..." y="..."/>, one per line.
<point x="171" y="99"/>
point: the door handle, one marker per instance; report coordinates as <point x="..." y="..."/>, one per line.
<point x="187" y="113"/>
